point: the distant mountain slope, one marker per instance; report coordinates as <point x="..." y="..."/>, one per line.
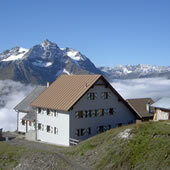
<point x="135" y="71"/>
<point x="43" y="63"/>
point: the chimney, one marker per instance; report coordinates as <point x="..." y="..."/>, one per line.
<point x="48" y="84"/>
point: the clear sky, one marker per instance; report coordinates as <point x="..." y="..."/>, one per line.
<point x="109" y="32"/>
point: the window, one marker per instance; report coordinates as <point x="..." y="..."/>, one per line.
<point x="90" y="113"/>
<point x="92" y="96"/>
<point x="82" y="132"/>
<point x="78" y="132"/>
<point x="86" y="113"/>
<point x="55" y="130"/>
<point x="48" y="112"/>
<point x="39" y="110"/>
<point x="80" y="114"/>
<point x="23" y="122"/>
<point x="111" y="111"/>
<point x="29" y="123"/>
<point x="48" y="128"/>
<point x="101" y="129"/>
<point x="101" y="112"/>
<point x="55" y="114"/>
<point x="89" y="131"/>
<point x="39" y="126"/>
<point x="109" y="127"/>
<point x="106" y="95"/>
<point x="96" y="113"/>
<point x="119" y="124"/>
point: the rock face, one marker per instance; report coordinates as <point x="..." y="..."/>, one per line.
<point x="42" y="63"/>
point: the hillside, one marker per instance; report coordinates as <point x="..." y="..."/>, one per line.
<point x="140" y="146"/>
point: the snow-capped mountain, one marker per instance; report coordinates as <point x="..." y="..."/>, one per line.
<point x="46" y="61"/>
<point x="13" y="54"/>
<point x="42" y="63"/>
<point x="135" y="71"/>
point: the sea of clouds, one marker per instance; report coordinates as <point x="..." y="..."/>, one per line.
<point x="146" y="87"/>
<point x="11" y="93"/>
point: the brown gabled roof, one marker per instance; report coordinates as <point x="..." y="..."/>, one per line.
<point x="64" y="92"/>
<point x="139" y="105"/>
<point x="67" y="90"/>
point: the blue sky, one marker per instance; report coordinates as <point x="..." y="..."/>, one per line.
<point x="109" y="32"/>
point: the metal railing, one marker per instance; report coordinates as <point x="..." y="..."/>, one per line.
<point x="74" y="141"/>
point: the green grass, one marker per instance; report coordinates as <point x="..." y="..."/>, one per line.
<point x="149" y="148"/>
<point x="10" y="155"/>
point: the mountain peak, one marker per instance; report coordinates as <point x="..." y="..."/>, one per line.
<point x="46" y="43"/>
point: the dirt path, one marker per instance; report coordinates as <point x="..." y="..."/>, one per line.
<point x="57" y="150"/>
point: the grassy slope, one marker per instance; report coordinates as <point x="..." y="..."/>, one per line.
<point x="10" y="155"/>
<point x="149" y="148"/>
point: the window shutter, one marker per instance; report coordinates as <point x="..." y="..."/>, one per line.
<point x="95" y="95"/>
<point x="84" y="131"/>
<point x="42" y="127"/>
<point x="76" y="115"/>
<point x="105" y="128"/>
<point x="105" y="111"/>
<point x="93" y="113"/>
<point x="57" y="131"/>
<point x="85" y="113"/>
<point x="51" y="129"/>
<point x="76" y="133"/>
<point x="109" y="94"/>
<point x="88" y="96"/>
<point x="51" y="111"/>
<point x="102" y="95"/>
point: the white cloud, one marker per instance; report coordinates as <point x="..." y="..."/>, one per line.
<point x="147" y="87"/>
<point x="11" y="93"/>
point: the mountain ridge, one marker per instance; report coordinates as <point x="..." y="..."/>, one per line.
<point x="46" y="61"/>
<point x="42" y="63"/>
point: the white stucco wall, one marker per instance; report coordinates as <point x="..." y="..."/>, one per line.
<point x="21" y="128"/>
<point x="122" y="113"/>
<point x="162" y="115"/>
<point x="61" y="122"/>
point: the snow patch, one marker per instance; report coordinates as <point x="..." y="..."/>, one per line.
<point x="125" y="134"/>
<point x="65" y="71"/>
<point x="40" y="63"/>
<point x="73" y="54"/>
<point x="21" y="52"/>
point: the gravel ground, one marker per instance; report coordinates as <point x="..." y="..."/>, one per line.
<point x="44" y="157"/>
